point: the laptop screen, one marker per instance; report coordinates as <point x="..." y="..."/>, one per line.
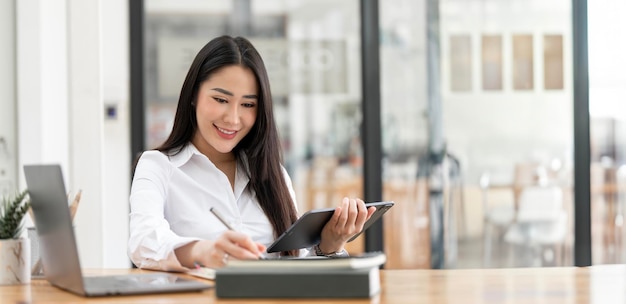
<point x="59" y="253"/>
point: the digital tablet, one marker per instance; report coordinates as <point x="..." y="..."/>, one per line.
<point x="307" y="230"/>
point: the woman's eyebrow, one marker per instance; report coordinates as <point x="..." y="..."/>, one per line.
<point x="226" y="92"/>
<point x="229" y="93"/>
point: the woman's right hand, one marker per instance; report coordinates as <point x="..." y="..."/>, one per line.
<point x="215" y="254"/>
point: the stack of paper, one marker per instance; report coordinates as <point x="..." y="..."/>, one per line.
<point x="203" y="272"/>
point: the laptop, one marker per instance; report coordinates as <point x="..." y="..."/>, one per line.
<point x="59" y="252"/>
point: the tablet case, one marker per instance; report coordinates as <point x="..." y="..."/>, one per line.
<point x="306" y="231"/>
<point x="297" y="283"/>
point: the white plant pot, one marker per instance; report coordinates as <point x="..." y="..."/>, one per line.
<point x="15" y="261"/>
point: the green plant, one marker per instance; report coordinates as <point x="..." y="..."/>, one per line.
<point x="12" y="212"/>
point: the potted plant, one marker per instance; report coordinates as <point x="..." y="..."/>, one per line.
<point x="14" y="249"/>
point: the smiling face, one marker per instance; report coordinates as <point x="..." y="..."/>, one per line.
<point x="226" y="109"/>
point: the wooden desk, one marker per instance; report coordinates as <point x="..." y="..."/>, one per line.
<point x="597" y="284"/>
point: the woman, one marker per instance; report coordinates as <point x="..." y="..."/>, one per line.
<point x="223" y="152"/>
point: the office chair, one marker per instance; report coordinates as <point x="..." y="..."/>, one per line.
<point x="495" y="219"/>
<point x="540" y="224"/>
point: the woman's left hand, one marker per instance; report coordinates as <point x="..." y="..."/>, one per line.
<point x="347" y="220"/>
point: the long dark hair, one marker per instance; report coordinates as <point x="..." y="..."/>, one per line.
<point x="261" y="146"/>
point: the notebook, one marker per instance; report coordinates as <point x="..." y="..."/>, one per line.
<point x="59" y="252"/>
<point x="364" y="260"/>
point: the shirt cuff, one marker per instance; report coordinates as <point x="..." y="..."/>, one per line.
<point x="336" y="254"/>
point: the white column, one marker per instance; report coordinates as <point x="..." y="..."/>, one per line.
<point x="42" y="103"/>
<point x="115" y="79"/>
<point x="86" y="131"/>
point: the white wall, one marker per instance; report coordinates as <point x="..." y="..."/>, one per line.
<point x="8" y="150"/>
<point x="491" y="129"/>
<point x="606" y="58"/>
<point x="42" y="82"/>
<point x="72" y="58"/>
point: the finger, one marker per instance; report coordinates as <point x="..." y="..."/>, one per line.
<point x="343" y="214"/>
<point x="370" y="212"/>
<point x="336" y="215"/>
<point x="218" y="253"/>
<point x="241" y="240"/>
<point x="237" y="245"/>
<point x="353" y="212"/>
<point x="261" y="247"/>
<point x="362" y="216"/>
<point x="335" y="218"/>
<point x="262" y="251"/>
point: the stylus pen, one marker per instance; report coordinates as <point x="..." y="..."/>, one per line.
<point x="221" y="218"/>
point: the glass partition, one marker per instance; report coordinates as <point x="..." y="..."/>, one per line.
<point x="506" y="98"/>
<point x="505" y="80"/>
<point x="512" y="134"/>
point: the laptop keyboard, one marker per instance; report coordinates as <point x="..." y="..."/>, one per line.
<point x="109" y="282"/>
<point x="130" y="281"/>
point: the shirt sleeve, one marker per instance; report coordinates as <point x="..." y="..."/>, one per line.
<point x="152" y="243"/>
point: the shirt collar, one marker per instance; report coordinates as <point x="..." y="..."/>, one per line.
<point x="243" y="169"/>
<point x="185" y="154"/>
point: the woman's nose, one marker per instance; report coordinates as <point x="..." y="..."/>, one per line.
<point x="232" y="114"/>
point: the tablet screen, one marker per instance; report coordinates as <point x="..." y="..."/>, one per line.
<point x="306" y="231"/>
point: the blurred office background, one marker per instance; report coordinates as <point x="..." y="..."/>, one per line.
<point x="504" y="110"/>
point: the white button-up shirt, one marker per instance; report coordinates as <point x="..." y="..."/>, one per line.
<point x="169" y="206"/>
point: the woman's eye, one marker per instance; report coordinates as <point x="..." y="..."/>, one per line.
<point x="220" y="100"/>
<point x="249" y="105"/>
